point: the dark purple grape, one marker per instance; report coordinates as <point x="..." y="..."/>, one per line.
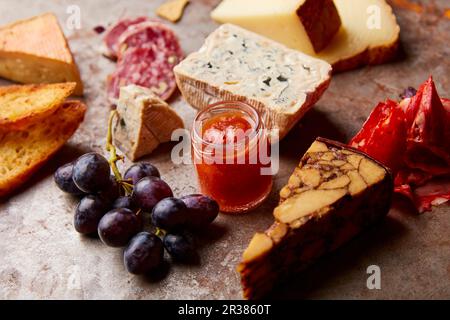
<point x="123" y="202"/>
<point x="408" y="93"/>
<point x="88" y="214"/>
<point x="118" y="226"/>
<point x="180" y="248"/>
<point x="112" y="191"/>
<point x="149" y="191"/>
<point x="99" y="29"/>
<point x="141" y="170"/>
<point x="91" y="173"/>
<point x="144" y="253"/>
<point x="170" y="214"/>
<point x="64" y="181"/>
<point x="202" y="210"/>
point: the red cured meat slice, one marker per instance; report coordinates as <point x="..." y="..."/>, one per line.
<point x="383" y="133"/>
<point x="433" y="193"/>
<point x="428" y="137"/>
<point x="152" y="33"/>
<point x="146" y="67"/>
<point x="111" y="39"/>
<point x="413" y="139"/>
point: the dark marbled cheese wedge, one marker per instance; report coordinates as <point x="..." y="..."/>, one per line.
<point x="334" y="194"/>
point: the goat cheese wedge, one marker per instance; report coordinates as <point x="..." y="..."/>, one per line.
<point x="236" y="64"/>
<point x="145" y="121"/>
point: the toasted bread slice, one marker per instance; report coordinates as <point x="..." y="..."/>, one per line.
<point x="21" y="104"/>
<point x="36" y="51"/>
<point x="23" y="152"/>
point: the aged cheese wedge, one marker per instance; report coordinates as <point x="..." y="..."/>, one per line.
<point x="36" y="51"/>
<point x="145" y="121"/>
<point x="369" y="33"/>
<point x="305" y="25"/>
<point x="236" y="64"/>
<point x="334" y="194"/>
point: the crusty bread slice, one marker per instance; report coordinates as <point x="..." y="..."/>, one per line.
<point x="21" y="104"/>
<point x="23" y="152"/>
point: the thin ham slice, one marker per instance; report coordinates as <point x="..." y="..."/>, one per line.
<point x="413" y="139"/>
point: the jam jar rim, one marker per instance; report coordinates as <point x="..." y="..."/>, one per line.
<point x="229" y="104"/>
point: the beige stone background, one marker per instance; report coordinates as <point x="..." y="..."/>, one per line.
<point x="41" y="255"/>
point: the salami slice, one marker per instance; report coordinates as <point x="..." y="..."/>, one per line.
<point x="145" y="66"/>
<point x="152" y="33"/>
<point x="111" y="39"/>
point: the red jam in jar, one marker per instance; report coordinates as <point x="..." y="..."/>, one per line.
<point x="231" y="153"/>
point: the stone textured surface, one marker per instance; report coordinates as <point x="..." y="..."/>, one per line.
<point x="43" y="257"/>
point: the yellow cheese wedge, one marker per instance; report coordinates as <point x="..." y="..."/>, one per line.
<point x="369" y="33"/>
<point x="305" y="25"/>
<point x="36" y="51"/>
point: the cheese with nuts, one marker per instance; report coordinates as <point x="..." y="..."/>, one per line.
<point x="235" y="64"/>
<point x="334" y="194"/>
<point x="144" y="122"/>
<point x="305" y="25"/>
<point x="36" y="51"/>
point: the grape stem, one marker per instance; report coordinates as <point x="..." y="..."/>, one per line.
<point x="160" y="232"/>
<point x="114" y="157"/>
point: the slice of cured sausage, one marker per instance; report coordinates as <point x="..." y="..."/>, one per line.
<point x="111" y="39"/>
<point x="145" y="66"/>
<point x="152" y="33"/>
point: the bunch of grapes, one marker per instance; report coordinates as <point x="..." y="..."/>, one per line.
<point x="114" y="208"/>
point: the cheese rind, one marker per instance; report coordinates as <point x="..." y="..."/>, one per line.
<point x="36" y="51"/>
<point x="311" y="221"/>
<point x="145" y="121"/>
<point x="305" y="25"/>
<point x="236" y="64"/>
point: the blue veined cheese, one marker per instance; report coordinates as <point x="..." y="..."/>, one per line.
<point x="236" y="64"/>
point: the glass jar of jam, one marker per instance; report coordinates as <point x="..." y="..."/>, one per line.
<point x="231" y="152"/>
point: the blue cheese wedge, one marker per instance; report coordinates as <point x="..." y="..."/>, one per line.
<point x="144" y="122"/>
<point x="236" y="64"/>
